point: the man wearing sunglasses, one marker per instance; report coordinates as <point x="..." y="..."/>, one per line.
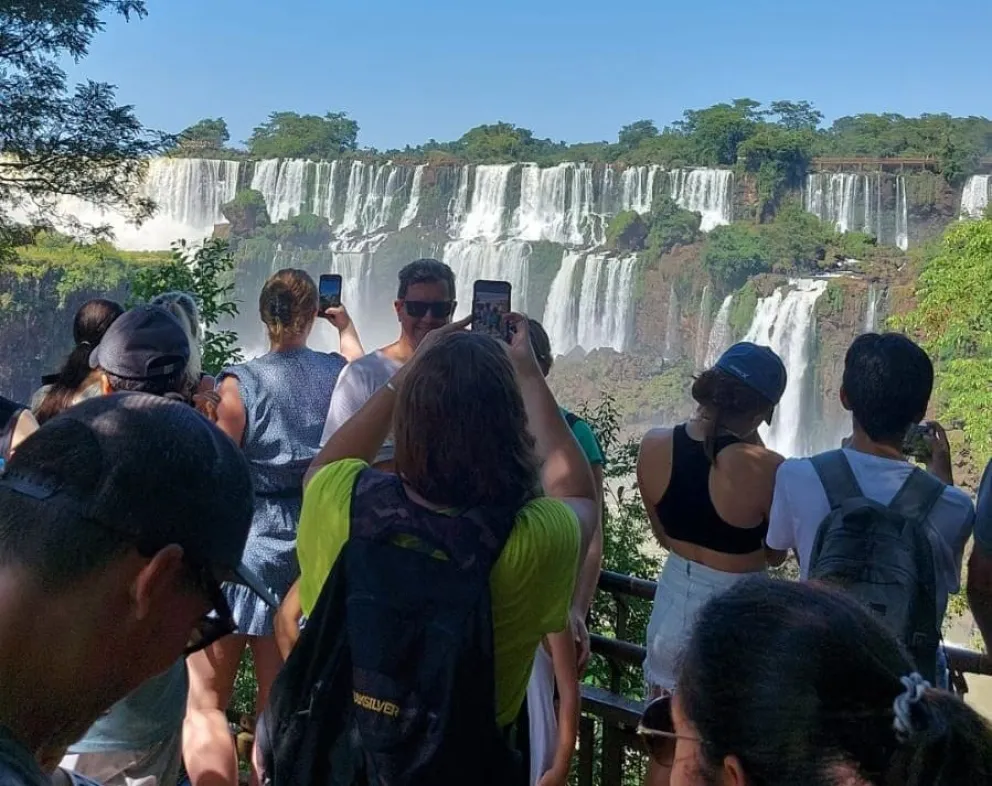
<point x="119" y="520"/>
<point x="425" y="301"/>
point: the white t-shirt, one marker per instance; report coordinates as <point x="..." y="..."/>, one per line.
<point x="356" y="385"/>
<point x="800" y="505"/>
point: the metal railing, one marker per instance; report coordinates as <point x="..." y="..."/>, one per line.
<point x="609" y="719"/>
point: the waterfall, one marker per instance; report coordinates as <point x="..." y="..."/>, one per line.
<point x="833" y="198"/>
<point x="784" y="321"/>
<point x="458" y="208"/>
<point x="600" y="316"/>
<point x="902" y="214"/>
<point x="282" y="183"/>
<point x="324" y="191"/>
<point x="703" y="328"/>
<point x="507" y="260"/>
<point x="413" y="204"/>
<point x="561" y="314"/>
<point x="871" y="313"/>
<point x="975" y="197"/>
<point x="719" y="339"/>
<point x="708" y="192"/>
<point x="189" y="194"/>
<point x="485" y="218"/>
<point x="673" y="343"/>
<point x="637" y="188"/>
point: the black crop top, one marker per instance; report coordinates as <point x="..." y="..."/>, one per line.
<point x="686" y="511"/>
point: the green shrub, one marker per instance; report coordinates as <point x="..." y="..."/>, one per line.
<point x="735" y="253"/>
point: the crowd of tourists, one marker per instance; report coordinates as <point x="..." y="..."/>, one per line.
<point x="408" y="542"/>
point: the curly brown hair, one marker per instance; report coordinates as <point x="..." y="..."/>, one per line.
<point x="461" y="428"/>
<point x="288" y="303"/>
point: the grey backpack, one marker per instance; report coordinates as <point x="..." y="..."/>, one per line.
<point x="881" y="555"/>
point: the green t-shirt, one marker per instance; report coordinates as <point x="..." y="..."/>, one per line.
<point x="585" y="436"/>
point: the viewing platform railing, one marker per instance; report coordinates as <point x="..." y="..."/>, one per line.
<point x="607" y="739"/>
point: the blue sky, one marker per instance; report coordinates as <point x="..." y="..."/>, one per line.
<point x="575" y="70"/>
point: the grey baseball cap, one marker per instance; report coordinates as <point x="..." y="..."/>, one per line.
<point x="144" y="343"/>
<point x="154" y="471"/>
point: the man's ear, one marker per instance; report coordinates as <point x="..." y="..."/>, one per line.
<point x="843" y="399"/>
<point x="732" y="772"/>
<point x="105" y="387"/>
<point x="157" y="580"/>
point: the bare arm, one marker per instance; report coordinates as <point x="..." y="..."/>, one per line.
<point x="569" y="707"/>
<point x="231" y="416"/>
<point x="650" y="484"/>
<point x="980" y="591"/>
<point x="351" y="344"/>
<point x="26" y="426"/>
<point x="287" y="621"/>
<point x="585" y="588"/>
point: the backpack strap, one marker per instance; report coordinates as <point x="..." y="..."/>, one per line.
<point x="837" y="477"/>
<point x="571" y="419"/>
<point x="918" y="495"/>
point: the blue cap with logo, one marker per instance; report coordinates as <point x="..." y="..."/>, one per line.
<point x="757" y="367"/>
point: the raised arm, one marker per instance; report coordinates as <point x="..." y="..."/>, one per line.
<point x="566" y="473"/>
<point x="351" y="343"/>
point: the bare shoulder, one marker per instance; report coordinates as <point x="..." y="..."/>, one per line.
<point x="753" y="459"/>
<point x="655" y="439"/>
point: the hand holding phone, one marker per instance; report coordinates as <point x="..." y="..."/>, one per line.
<point x="490" y="308"/>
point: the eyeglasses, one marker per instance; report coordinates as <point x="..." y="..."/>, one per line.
<point x="440" y="309"/>
<point x="216" y="624"/>
<point x="657" y="731"/>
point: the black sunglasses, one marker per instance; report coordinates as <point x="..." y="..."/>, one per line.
<point x="217" y="623"/>
<point x="657" y="731"/>
<point x="440" y="309"/>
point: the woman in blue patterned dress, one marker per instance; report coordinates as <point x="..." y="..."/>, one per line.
<point x="274" y="407"/>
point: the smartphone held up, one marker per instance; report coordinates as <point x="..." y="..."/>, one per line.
<point x="329" y="292"/>
<point x="490" y="307"/>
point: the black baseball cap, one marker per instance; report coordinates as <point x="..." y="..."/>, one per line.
<point x="144" y="343"/>
<point x="152" y="470"/>
<point x="757" y="367"/>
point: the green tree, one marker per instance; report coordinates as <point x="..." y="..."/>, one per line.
<point x="207" y="274"/>
<point x="501" y="142"/>
<point x="734" y="253"/>
<point x="796" y="115"/>
<point x="246" y="212"/>
<point x="670" y="226"/>
<point x="57" y="140"/>
<point x="718" y="131"/>
<point x="208" y="134"/>
<point x="291" y="135"/>
<point x="780" y="158"/>
<point x="953" y="320"/>
<point x="634" y="134"/>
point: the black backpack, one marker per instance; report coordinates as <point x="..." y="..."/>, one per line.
<point x="391" y="682"/>
<point x="881" y="555"/>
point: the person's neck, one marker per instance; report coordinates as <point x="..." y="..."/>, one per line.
<point x="862" y="443"/>
<point x="288" y="344"/>
<point x="734" y="426"/>
<point x="400" y="350"/>
<point x="43" y="704"/>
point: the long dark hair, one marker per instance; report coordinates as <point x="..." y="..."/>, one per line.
<point x="724" y="395"/>
<point x="461" y="428"/>
<point x="90" y="323"/>
<point x="810" y="695"/>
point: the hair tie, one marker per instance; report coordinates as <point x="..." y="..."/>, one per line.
<point x="904" y="724"/>
<point x="85" y="343"/>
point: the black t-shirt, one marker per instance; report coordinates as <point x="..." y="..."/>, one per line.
<point x="17" y="764"/>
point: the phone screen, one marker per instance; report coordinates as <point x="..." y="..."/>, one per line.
<point x="490" y="305"/>
<point x="330" y="291"/>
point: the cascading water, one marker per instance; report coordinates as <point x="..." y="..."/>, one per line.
<point x="703" y="328"/>
<point x="486" y="215"/>
<point x="975" y="197"/>
<point x="413" y="204"/>
<point x="902" y="214"/>
<point x="708" y="192"/>
<point x="673" y="341"/>
<point x="600" y="317"/>
<point x="282" y="183"/>
<point x="719" y="339"/>
<point x="637" y="188"/>
<point x="784" y="321"/>
<point x="834" y="198"/>
<point x="556" y="204"/>
<point x="507" y="260"/>
<point x="871" y="313"/>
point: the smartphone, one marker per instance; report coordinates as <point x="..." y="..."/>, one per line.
<point x="329" y="291"/>
<point x="915" y="444"/>
<point x="490" y="305"/>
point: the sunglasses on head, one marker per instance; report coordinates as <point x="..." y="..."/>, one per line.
<point x="217" y="623"/>
<point x="439" y="309"/>
<point x="657" y="731"/>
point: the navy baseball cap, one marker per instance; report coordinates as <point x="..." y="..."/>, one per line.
<point x="146" y="342"/>
<point x="757" y="367"/>
<point x="152" y="470"/>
